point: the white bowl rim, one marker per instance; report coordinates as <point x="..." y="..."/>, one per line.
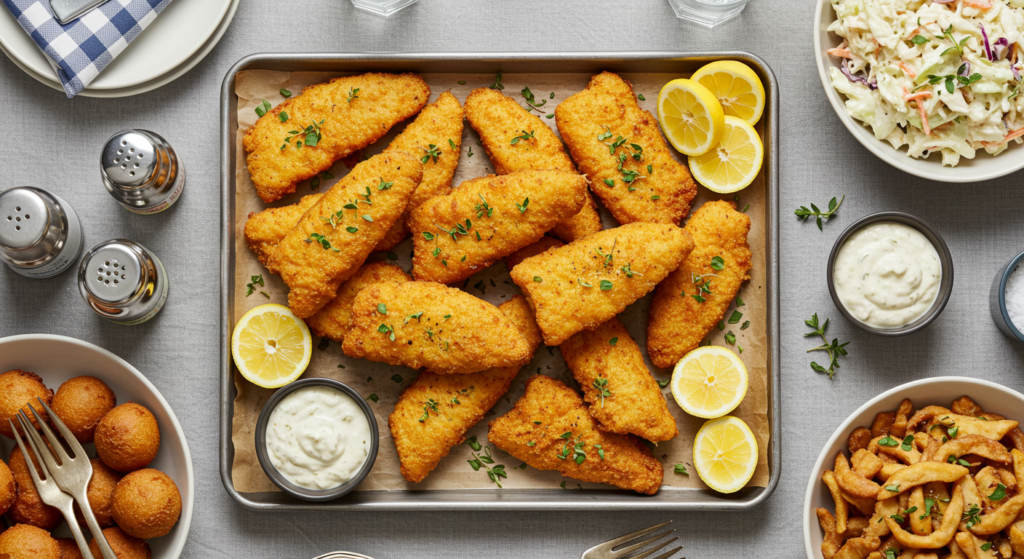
<point x="885" y="152"/>
<point x="845" y="426"/>
<point x="186" y="510"/>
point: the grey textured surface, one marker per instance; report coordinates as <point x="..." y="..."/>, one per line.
<point x="54" y="143"/>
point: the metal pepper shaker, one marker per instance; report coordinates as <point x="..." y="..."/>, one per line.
<point x="123" y="281"/>
<point x="142" y="171"/>
<point x="40" y="235"/>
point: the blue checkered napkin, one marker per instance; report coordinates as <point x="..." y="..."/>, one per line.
<point x="81" y="49"/>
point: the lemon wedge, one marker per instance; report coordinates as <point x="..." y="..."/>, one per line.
<point x="734" y="163"/>
<point x="725" y="454"/>
<point x="736" y="86"/>
<point x="709" y="382"/>
<point x="691" y="116"/>
<point x="271" y="347"/>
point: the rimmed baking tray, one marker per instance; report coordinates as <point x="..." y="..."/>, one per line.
<point x="509" y="63"/>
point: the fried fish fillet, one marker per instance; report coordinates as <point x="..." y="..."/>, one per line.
<point x="424" y="435"/>
<point x="350" y="113"/>
<point x="488" y="218"/>
<point x="263" y="230"/>
<point x="585" y="283"/>
<point x="424" y="324"/>
<point x="534" y="432"/>
<point x="332" y="240"/>
<point x="333" y="321"/>
<point x="621" y="150"/>
<point x="622" y="394"/>
<point x="678" y="321"/>
<point x="498" y="119"/>
<point x="541" y="246"/>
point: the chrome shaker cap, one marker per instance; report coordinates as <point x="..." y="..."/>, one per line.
<point x="141" y="171"/>
<point x="31" y="225"/>
<point x="122" y="281"/>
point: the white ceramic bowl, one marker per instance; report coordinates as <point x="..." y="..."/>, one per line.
<point x="933" y="391"/>
<point x="983" y="167"/>
<point x="56" y="359"/>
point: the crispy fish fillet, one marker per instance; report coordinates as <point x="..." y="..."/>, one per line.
<point x="314" y="267"/>
<point x="333" y="321"/>
<point x="348" y="120"/>
<point x="534" y="249"/>
<point x="585" y="283"/>
<point x="424" y="324"/>
<point x="488" y="218"/>
<point x="533" y="430"/>
<point x="607" y="361"/>
<point x="424" y="437"/>
<point x="498" y="119"/>
<point x="613" y="140"/>
<point x="678" y="322"/>
<point x="263" y="230"/>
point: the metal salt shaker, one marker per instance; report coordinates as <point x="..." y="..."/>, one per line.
<point x="123" y="281"/>
<point x="142" y="171"/>
<point x="40" y="235"/>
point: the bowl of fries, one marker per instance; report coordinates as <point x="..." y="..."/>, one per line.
<point x="930" y="469"/>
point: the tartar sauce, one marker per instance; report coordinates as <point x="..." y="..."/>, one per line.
<point x="318" y="437"/>
<point x="887" y="274"/>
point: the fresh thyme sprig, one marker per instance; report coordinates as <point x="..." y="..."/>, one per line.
<point x="497" y="83"/>
<point x="524" y="136"/>
<point x="802" y="213"/>
<point x="429" y="406"/>
<point x="310" y="135"/>
<point x="532" y="101"/>
<point x="834" y="348"/>
<point x="432" y="153"/>
<point x="601" y="384"/>
<point x="353" y="93"/>
<point x="482" y="460"/>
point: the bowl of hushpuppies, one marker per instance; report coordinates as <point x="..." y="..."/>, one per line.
<point x="141" y="489"/>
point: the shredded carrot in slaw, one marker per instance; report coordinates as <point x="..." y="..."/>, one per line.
<point x="924" y="119"/>
<point x="910" y="73"/>
<point x="840" y="53"/>
<point x="980" y="4"/>
<point x="919" y="95"/>
<point x="1012" y="135"/>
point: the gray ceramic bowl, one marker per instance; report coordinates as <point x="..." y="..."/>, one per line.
<point x="945" y="284"/>
<point x="289" y="487"/>
<point x="997" y="300"/>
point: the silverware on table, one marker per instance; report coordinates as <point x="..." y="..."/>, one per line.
<point x="142" y="171"/>
<point x="123" y="281"/>
<point x="70" y="10"/>
<point x="631" y="542"/>
<point x="71" y="472"/>
<point x="342" y="555"/>
<point x="40" y="235"/>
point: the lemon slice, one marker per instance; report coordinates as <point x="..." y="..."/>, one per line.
<point x="271" y="346"/>
<point x="725" y="454"/>
<point x="691" y="116"/>
<point x="709" y="382"/>
<point x="734" y="163"/>
<point x="736" y="86"/>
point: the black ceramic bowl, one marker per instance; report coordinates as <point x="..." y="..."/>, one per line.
<point x="282" y="482"/>
<point x="945" y="260"/>
<point x="997" y="300"/>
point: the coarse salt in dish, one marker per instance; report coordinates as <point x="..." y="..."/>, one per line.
<point x="1015" y="297"/>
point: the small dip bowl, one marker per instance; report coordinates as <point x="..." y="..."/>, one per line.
<point x="282" y="482"/>
<point x="945" y="260"/>
<point x="997" y="300"/>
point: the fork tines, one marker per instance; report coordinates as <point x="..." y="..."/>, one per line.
<point x="623" y="546"/>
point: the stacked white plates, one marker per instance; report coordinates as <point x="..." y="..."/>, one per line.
<point x="184" y="33"/>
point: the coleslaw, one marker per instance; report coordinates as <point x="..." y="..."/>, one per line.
<point x="933" y="75"/>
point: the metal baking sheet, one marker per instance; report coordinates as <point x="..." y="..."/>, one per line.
<point x="509" y="63"/>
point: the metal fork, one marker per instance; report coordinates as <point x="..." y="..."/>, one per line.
<point x="71" y="474"/>
<point x="47" y="489"/>
<point x="607" y="549"/>
<point x="342" y="555"/>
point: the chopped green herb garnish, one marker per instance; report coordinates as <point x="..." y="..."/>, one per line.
<point x="802" y="213"/>
<point x="397" y="378"/>
<point x="428" y="406"/>
<point x="432" y="153"/>
<point x="285" y="93"/>
<point x="255" y="280"/>
<point x="497" y="83"/>
<point x="681" y="469"/>
<point x="323" y="241"/>
<point x="606" y="285"/>
<point x="833" y="348"/>
<point x="613" y="341"/>
<point x="522" y="207"/>
<point x="282" y="116"/>
<point x="524" y="136"/>
<point x="735" y="317"/>
<point x="601" y="384"/>
<point x="373" y="398"/>
<point x="353" y="93"/>
<point x="263" y="108"/>
<point x="390" y="331"/>
<point x="717" y="263"/>
<point x="730" y="338"/>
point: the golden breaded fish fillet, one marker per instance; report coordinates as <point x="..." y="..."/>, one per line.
<point x="436" y="411"/>
<point x="486" y="219"/>
<point x="499" y="119"/>
<point x="534" y="432"/>
<point x="585" y="283"/>
<point x="424" y="324"/>
<point x="678" y="321"/>
<point x="263" y="230"/>
<point x="333" y="321"/>
<point x="623" y="396"/>
<point x="350" y="113"/>
<point x="621" y="150"/>
<point x="534" y="249"/>
<point x="334" y="237"/>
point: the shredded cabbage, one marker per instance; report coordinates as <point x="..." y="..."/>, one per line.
<point x="920" y="56"/>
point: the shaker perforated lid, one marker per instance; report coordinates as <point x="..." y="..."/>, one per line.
<point x="24" y="218"/>
<point x="113" y="272"/>
<point x="131" y="158"/>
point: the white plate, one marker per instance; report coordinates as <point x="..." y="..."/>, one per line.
<point x="940" y="391"/>
<point x="181" y="31"/>
<point x="56" y="359"/>
<point x="982" y="168"/>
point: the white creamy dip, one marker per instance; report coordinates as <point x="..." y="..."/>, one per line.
<point x="318" y="437"/>
<point x="887" y="274"/>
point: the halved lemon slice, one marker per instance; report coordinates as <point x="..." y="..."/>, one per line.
<point x="725" y="454"/>
<point x="734" y="163"/>
<point x="736" y="86"/>
<point x="271" y="346"/>
<point x="691" y="116"/>
<point x="709" y="382"/>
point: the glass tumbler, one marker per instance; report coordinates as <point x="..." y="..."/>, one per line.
<point x="382" y="7"/>
<point x="708" y="13"/>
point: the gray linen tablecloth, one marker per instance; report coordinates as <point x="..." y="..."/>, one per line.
<point x="52" y="142"/>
